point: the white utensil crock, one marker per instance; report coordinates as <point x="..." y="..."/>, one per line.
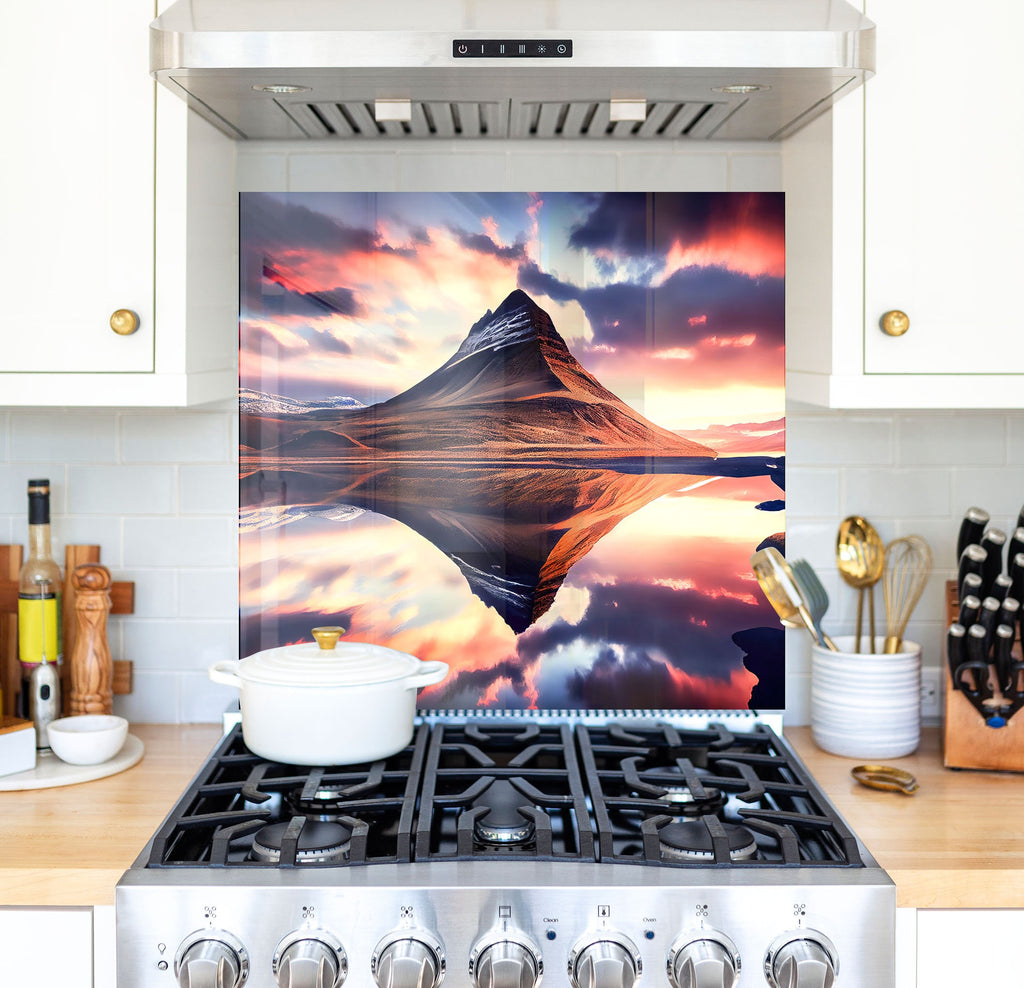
<point x="863" y="705"/>
<point x="304" y="705"/>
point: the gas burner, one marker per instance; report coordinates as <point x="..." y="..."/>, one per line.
<point x="682" y="802"/>
<point x="691" y="841"/>
<point x="318" y="843"/>
<point x="326" y="803"/>
<point x="502" y="823"/>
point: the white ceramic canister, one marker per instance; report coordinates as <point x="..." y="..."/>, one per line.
<point x="866" y="705"/>
<point x="328" y="703"/>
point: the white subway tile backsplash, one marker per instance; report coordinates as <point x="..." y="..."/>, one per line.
<point x="479" y="172"/>
<point x="180" y="542"/>
<point x="177" y="645"/>
<point x="101" y="530"/>
<point x="999" y="490"/>
<point x="209" y="490"/>
<point x="208" y="593"/>
<point x="810" y="539"/>
<point x="260" y="171"/>
<point x="117" y="489"/>
<point x="755" y="172"/>
<point x="340" y="173"/>
<point x="14" y="478"/>
<point x="897" y="493"/>
<point x="203" y="701"/>
<point x="155" y="698"/>
<point x="839" y="439"/>
<point x="156" y="591"/>
<point x="674" y="172"/>
<point x="1015" y="438"/>
<point x="71" y="437"/>
<point x="963" y="439"/>
<point x="176" y="437"/>
<point x="568" y="170"/>
<point x="812" y="492"/>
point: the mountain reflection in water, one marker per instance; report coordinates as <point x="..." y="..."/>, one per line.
<point x="590" y="585"/>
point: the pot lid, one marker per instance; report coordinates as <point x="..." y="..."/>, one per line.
<point x="330" y="663"/>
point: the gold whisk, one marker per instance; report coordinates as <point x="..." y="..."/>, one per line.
<point x="908" y="564"/>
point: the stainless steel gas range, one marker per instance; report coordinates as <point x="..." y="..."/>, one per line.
<point x="500" y="852"/>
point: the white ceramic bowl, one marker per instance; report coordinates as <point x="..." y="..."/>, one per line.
<point x="88" y="739"/>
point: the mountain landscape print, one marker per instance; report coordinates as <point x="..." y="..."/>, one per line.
<point x="537" y="436"/>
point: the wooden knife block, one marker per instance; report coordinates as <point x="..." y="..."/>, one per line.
<point x="967" y="741"/>
<point x="122" y="596"/>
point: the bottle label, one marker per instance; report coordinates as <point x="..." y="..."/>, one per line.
<point x="39" y="629"/>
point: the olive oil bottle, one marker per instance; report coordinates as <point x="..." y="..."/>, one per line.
<point x="39" y="593"/>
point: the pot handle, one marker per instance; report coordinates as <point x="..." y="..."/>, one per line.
<point x="429" y="673"/>
<point x="224" y="672"/>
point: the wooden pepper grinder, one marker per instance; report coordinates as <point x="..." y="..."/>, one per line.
<point x="92" y="670"/>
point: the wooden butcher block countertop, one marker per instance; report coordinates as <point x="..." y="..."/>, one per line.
<point x="958" y="843"/>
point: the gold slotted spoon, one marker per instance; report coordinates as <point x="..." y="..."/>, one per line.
<point x="860" y="559"/>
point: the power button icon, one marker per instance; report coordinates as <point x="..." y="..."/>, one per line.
<point x="463" y="49"/>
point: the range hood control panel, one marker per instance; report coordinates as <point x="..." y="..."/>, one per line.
<point x="514" y="48"/>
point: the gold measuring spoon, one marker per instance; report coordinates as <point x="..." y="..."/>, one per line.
<point x="885" y="777"/>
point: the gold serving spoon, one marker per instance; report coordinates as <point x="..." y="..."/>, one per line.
<point x="860" y="559"/>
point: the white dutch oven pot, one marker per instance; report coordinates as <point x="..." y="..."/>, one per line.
<point x="324" y="703"/>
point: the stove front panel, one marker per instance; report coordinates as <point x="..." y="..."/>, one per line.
<point x="456" y="911"/>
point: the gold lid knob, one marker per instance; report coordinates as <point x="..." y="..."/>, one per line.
<point x="327" y="637"/>
<point x="124" y="322"/>
<point x="895" y="323"/>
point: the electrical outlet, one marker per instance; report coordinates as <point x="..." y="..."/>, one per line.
<point x="931" y="694"/>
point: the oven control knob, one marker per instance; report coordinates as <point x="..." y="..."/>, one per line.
<point x="506" y="962"/>
<point x="608" y="960"/>
<point x="211" y="959"/>
<point x="310" y="959"/>
<point x="801" y="959"/>
<point x="705" y="960"/>
<point x="413" y="959"/>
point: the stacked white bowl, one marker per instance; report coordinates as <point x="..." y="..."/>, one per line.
<point x="866" y="705"/>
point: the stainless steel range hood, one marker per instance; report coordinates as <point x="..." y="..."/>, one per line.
<point x="496" y="69"/>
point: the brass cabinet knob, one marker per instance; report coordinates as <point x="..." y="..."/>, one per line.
<point x="895" y="323"/>
<point x="124" y="322"/>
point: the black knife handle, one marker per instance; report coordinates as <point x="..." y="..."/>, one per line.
<point x="972" y="560"/>
<point x="1020" y="518"/>
<point x="993" y="542"/>
<point x="1004" y="644"/>
<point x="973" y="524"/>
<point x="956" y="650"/>
<point x="1017" y="576"/>
<point x="977" y="657"/>
<point x="988" y="618"/>
<point x="1016" y="545"/>
<point x="971" y="587"/>
<point x="1000" y="587"/>
<point x="970" y="608"/>
<point x="1009" y="612"/>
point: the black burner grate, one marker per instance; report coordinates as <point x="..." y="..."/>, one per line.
<point x="643" y="777"/>
<point x="238" y="793"/>
<point x="617" y="793"/>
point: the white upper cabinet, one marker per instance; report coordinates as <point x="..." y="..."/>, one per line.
<point x="98" y="217"/>
<point x="908" y="198"/>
